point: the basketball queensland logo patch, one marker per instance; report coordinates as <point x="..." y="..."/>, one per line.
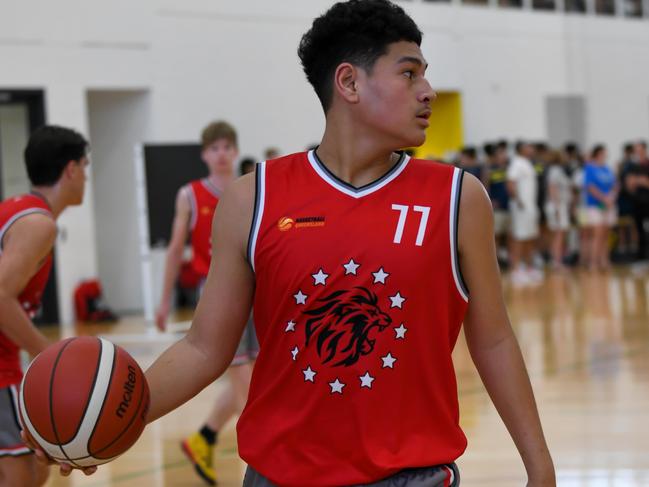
<point x="286" y="223"/>
<point x="347" y="336"/>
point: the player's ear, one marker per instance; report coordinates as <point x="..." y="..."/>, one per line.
<point x="345" y="82"/>
<point x="70" y="168"/>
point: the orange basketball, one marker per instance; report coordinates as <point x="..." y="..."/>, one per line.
<point x="84" y="401"/>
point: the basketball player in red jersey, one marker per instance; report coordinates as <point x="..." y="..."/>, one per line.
<point x="56" y="160"/>
<point x="362" y="264"/>
<point x="195" y="205"/>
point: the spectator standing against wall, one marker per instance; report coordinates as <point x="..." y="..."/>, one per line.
<point x="557" y="206"/>
<point x="627" y="233"/>
<point x="601" y="194"/>
<point x="522" y="187"/>
<point x="579" y="211"/>
<point x="638" y="186"/>
<point x="496" y="164"/>
<point x="468" y="160"/>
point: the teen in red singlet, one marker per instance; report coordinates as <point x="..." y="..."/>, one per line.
<point x="195" y="206"/>
<point x="55" y="158"/>
<point x="362" y="265"/>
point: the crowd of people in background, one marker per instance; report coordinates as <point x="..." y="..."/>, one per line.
<point x="562" y="206"/>
<point x="558" y="207"/>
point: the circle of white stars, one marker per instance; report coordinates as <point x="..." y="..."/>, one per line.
<point x="388" y="361"/>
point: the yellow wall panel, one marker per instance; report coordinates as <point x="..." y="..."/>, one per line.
<point x="445" y="134"/>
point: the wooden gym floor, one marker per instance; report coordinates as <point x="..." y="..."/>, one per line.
<point x="585" y="338"/>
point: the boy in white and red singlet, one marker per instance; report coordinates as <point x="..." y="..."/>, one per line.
<point x="55" y="159"/>
<point x="195" y="206"/>
<point x="362" y="264"/>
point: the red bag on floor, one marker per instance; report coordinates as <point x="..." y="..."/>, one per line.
<point x="88" y="303"/>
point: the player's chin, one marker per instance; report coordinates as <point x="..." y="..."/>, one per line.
<point x="415" y="138"/>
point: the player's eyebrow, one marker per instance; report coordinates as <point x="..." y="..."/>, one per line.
<point x="413" y="59"/>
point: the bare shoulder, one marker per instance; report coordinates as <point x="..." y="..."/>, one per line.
<point x="475" y="213"/>
<point x="474" y="193"/>
<point x="34" y="227"/>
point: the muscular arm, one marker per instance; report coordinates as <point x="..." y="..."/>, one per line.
<point x="206" y="351"/>
<point x="27" y="242"/>
<point x="491" y="341"/>
<point x="179" y="233"/>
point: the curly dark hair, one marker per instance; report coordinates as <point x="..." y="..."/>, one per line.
<point x="356" y="31"/>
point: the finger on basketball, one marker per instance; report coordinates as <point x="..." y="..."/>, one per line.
<point x="41" y="456"/>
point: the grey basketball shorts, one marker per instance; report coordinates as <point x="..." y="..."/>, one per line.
<point x="11" y="444"/>
<point x="248" y="348"/>
<point x="437" y="476"/>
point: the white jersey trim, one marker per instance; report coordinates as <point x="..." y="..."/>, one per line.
<point x="456" y="189"/>
<point x="193" y="205"/>
<point x="260" y="197"/>
<point x="209" y="186"/>
<point x="16" y="452"/>
<point x="349" y="190"/>
<point x="16" y="217"/>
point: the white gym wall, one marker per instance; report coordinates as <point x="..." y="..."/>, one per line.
<point x="236" y="60"/>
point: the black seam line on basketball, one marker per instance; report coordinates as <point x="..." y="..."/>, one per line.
<point x="13" y="408"/>
<point x="456" y="252"/>
<point x="103" y="401"/>
<point x="92" y="388"/>
<point x="359" y="189"/>
<point x="135" y="415"/>
<point x="255" y="215"/>
<point x="56" y="433"/>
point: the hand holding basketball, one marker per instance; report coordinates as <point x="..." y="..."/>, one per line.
<point x="83" y="402"/>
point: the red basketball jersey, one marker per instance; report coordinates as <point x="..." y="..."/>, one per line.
<point x="358" y="305"/>
<point x="203" y="198"/>
<point x="30" y="298"/>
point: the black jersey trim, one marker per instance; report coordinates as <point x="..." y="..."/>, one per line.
<point x="456" y="252"/>
<point x="256" y="216"/>
<point x="335" y="179"/>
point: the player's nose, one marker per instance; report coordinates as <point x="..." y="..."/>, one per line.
<point x="427" y="94"/>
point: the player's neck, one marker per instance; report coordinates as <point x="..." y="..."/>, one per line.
<point x="53" y="197"/>
<point x="220" y="181"/>
<point x="353" y="156"/>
